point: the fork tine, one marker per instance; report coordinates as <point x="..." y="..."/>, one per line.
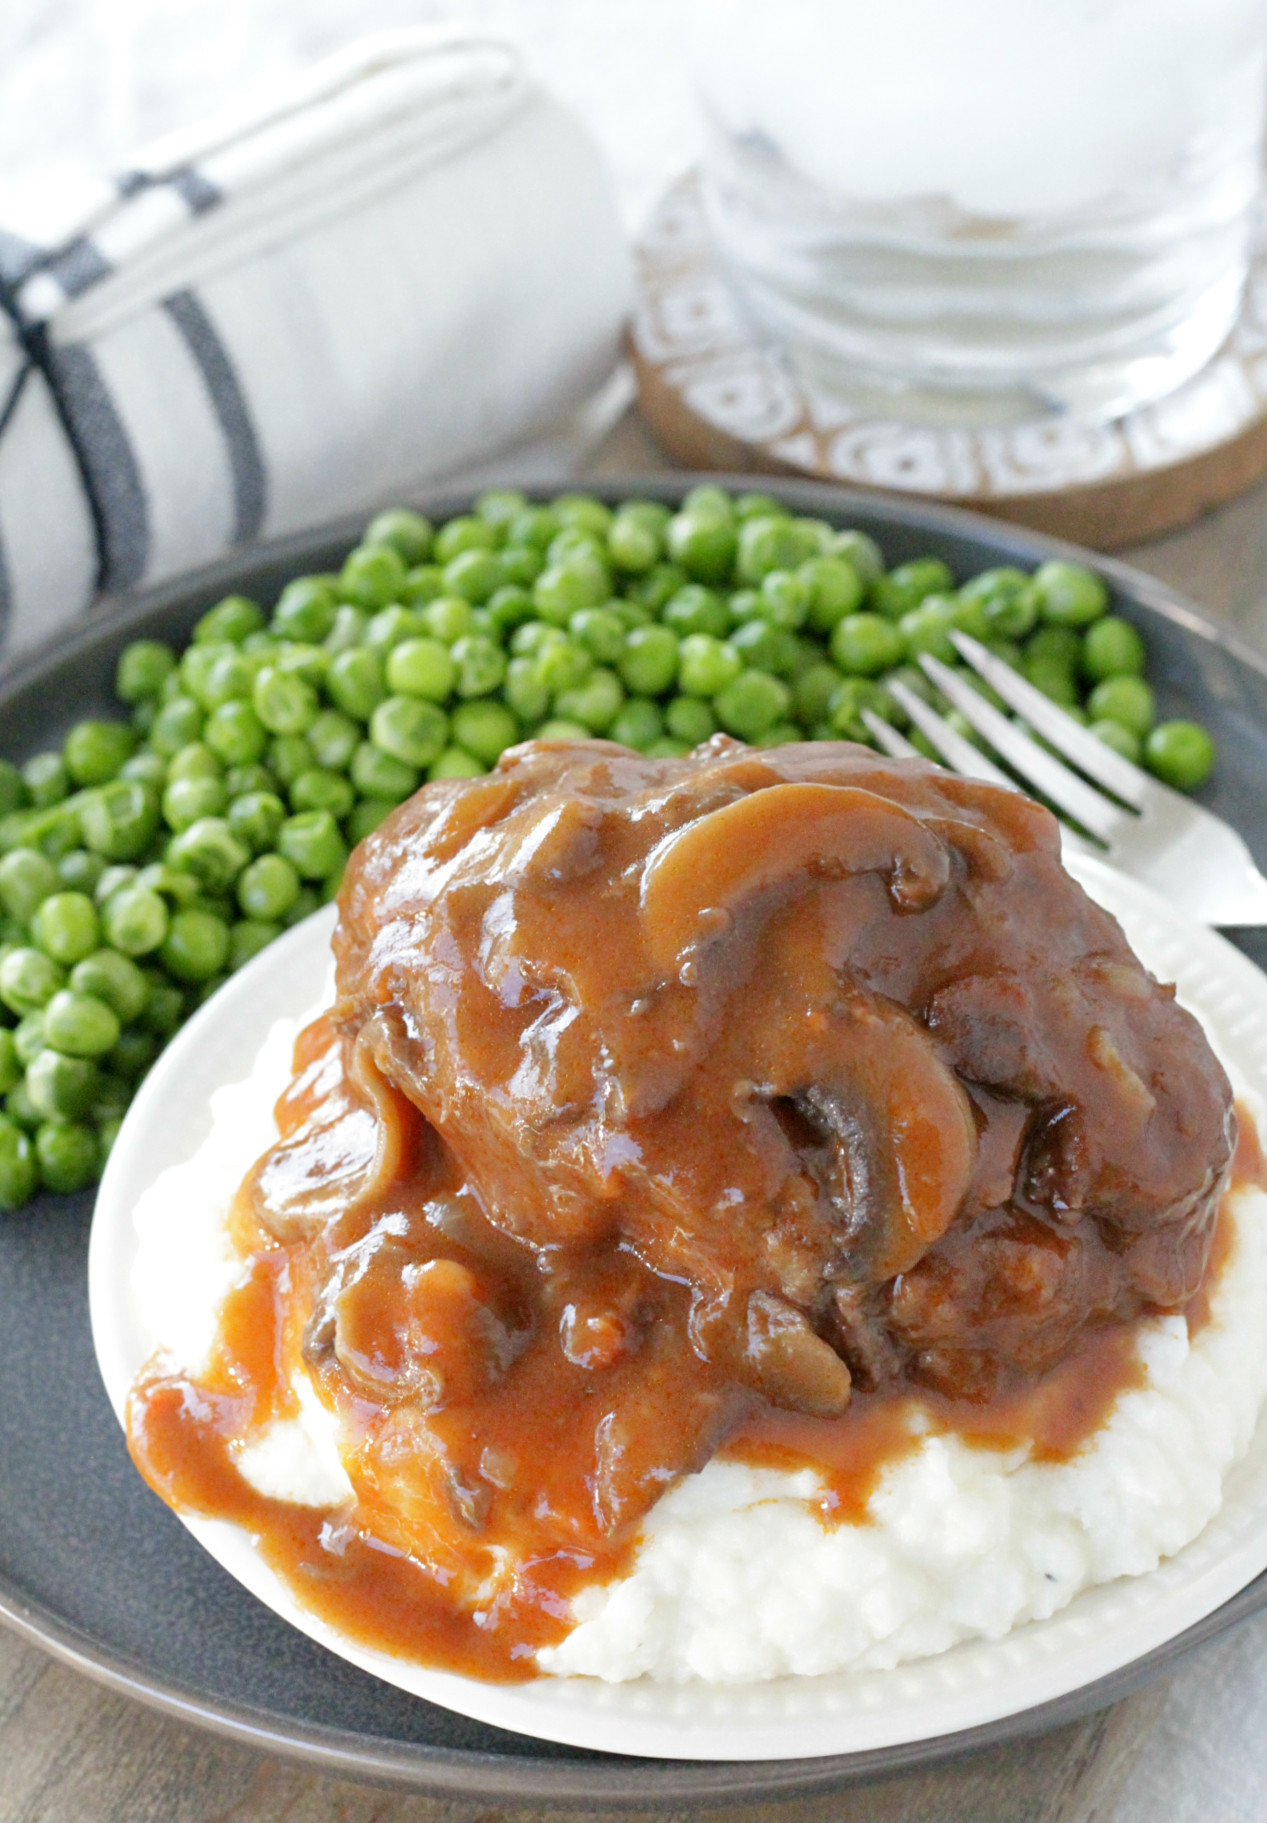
<point x="894" y="744"/>
<point x="1047" y="774"/>
<point x="959" y="753"/>
<point x="1096" y="760"/>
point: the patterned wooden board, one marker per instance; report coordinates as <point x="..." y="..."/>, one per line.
<point x="718" y="397"/>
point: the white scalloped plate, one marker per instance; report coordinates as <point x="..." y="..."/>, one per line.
<point x="1101" y="1631"/>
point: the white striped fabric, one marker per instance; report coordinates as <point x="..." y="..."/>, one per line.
<point x="406" y="264"/>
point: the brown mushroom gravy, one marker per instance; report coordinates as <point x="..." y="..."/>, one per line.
<point x="786" y="1104"/>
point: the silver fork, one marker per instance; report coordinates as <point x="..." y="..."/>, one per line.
<point x="1194" y="859"/>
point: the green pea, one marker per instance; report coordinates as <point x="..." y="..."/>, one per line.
<point x="231" y="619"/>
<point x="112" y="1097"/>
<point x="594" y="703"/>
<point x="660" y="584"/>
<point x="500" y="506"/>
<point x="114" y="979"/>
<point x="448" y="618"/>
<point x="185" y="800"/>
<point x="704" y="540"/>
<point x="209" y="851"/>
<point x="11" y="1066"/>
<point x="559" y="728"/>
<point x="333" y="738"/>
<point x="356" y="683"/>
<point x="68" y="1155"/>
<point x="1069" y="595"/>
<point x="142" y="719"/>
<point x="1054" y="645"/>
<point x="752" y="704"/>
<point x="928" y="627"/>
<point x="312" y="840"/>
<point x="864" y="645"/>
<point x="456" y="763"/>
<point x="145" y="769"/>
<point x="812" y="691"/>
<point x="771" y="543"/>
<point x="311" y="663"/>
<point x="389" y="627"/>
<point x="424" y="583"/>
<point x="235" y="734"/>
<point x="20" y="1109"/>
<point x="408" y="534"/>
<point x="318" y="789"/>
<point x="583" y="512"/>
<point x="61" y="1088"/>
<point x="284" y="703"/>
<point x="113" y="880"/>
<point x="409" y="730"/>
<point x="176" y="887"/>
<point x="19" y="1169"/>
<point x="601" y="631"/>
<point x="649" y="663"/>
<point x="136" y="1050"/>
<point x="26" y="879"/>
<point x="903" y="589"/>
<point x="464" y="533"/>
<point x="481" y="665"/>
<point x="536" y="526"/>
<point x="633" y="545"/>
<point x="759" y="506"/>
<point x="1127" y="700"/>
<point x="268" y="887"/>
<point x="706" y="666"/>
<point x="861" y="553"/>
<point x="247" y="938"/>
<point x="1112" y="648"/>
<point x="28" y="980"/>
<point x="348" y="630"/>
<point x="12" y="788"/>
<point x="28" y="1039"/>
<point x="522" y="563"/>
<point x="80" y="1025"/>
<point x="144" y="667"/>
<point x="377" y="775"/>
<point x="696" y="609"/>
<point x="422" y="667"/>
<point x="288" y="756"/>
<point x="475" y="575"/>
<point x="1055" y="681"/>
<point x="1008" y="601"/>
<point x="94" y="751"/>
<point x="509" y="607"/>
<point x="524" y="691"/>
<point x="637" y="723"/>
<point x="256" y="817"/>
<point x="367" y="814"/>
<point x="848" y="701"/>
<point x="196" y="761"/>
<point x="373" y="575"/>
<point x="239" y="781"/>
<point x="781" y="735"/>
<point x="765" y="647"/>
<point x="178" y="722"/>
<point x="46" y="779"/>
<point x="196" y="946"/>
<point x="484" y="729"/>
<point x="65" y="927"/>
<point x="666" y="748"/>
<point x="306" y="609"/>
<point x="783" y="599"/>
<point x="580" y="581"/>
<point x="1181" y="754"/>
<point x="834" y="590"/>
<point x="560" y="663"/>
<point x="1120" y="739"/>
<point x="164" y="1009"/>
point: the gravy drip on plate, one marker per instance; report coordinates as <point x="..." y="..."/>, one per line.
<point x="787" y="1104"/>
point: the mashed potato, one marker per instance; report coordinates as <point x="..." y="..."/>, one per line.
<point x="737" y="1578"/>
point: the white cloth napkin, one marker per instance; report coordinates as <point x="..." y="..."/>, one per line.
<point x="407" y="262"/>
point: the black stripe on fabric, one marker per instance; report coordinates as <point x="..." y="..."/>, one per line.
<point x="107" y="461"/>
<point x="228" y="401"/>
<point x="18" y="257"/>
<point x="77" y="267"/>
<point x="131" y="183"/>
<point x="15" y="393"/>
<point x="197" y="192"/>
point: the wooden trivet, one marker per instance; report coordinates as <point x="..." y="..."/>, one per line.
<point x="717" y="397"/>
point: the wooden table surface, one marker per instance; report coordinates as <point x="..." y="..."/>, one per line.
<point x="71" y="1752"/>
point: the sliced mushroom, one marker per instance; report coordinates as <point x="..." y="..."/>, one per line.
<point x="792" y="1366"/>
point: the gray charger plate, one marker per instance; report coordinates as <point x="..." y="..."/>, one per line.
<point x="94" y="1568"/>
